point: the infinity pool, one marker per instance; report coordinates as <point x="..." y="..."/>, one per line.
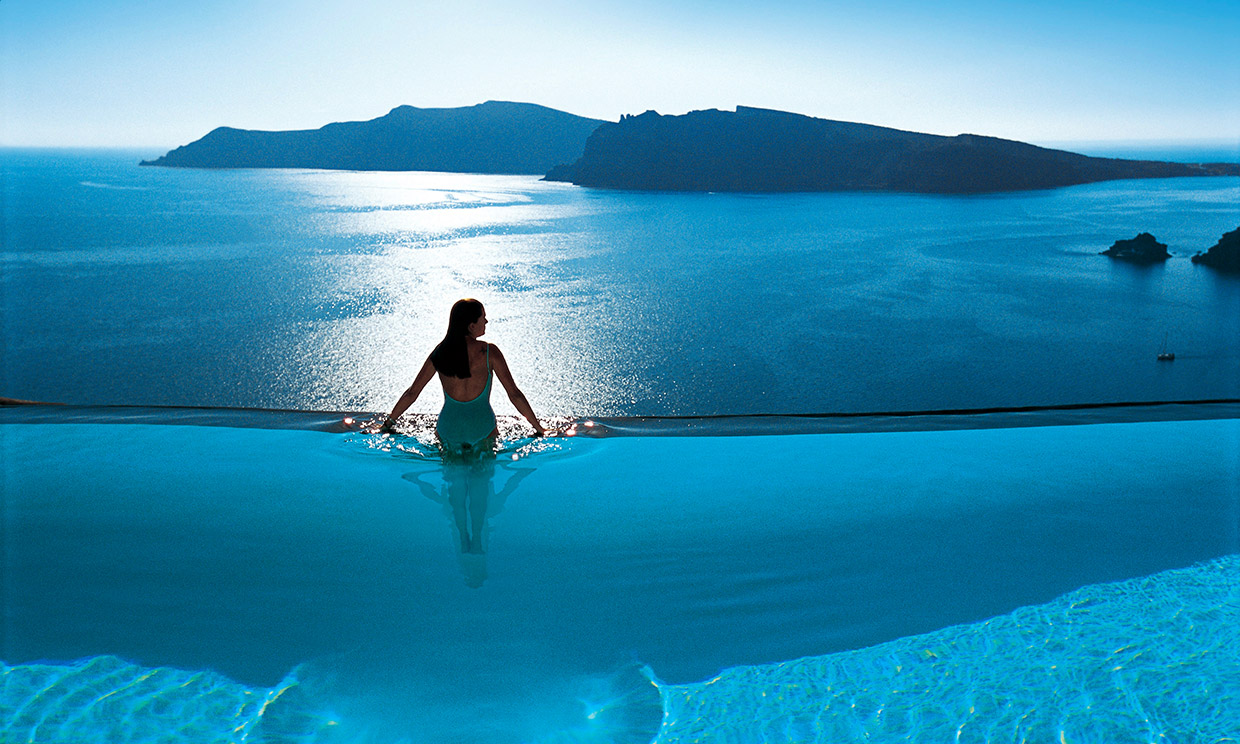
<point x="222" y="576"/>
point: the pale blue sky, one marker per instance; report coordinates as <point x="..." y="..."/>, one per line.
<point x="157" y="73"/>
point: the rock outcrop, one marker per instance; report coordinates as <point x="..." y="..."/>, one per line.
<point x="1223" y="255"/>
<point x="1141" y="249"/>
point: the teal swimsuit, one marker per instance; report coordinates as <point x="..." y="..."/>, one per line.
<point x="464" y="426"/>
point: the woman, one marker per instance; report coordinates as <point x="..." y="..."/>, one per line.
<point x="466" y="424"/>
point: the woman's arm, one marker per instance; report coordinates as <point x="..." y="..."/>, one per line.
<point x="500" y="365"/>
<point x="410" y="395"/>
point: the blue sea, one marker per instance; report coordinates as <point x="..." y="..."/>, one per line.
<point x="324" y="290"/>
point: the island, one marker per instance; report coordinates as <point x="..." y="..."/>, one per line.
<point x="1223" y="255"/>
<point x="1143" y="249"/>
<point x="761" y="150"/>
<point x="493" y="137"/>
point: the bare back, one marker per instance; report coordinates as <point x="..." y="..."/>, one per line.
<point x="466" y="389"/>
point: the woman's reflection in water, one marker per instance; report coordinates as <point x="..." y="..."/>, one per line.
<point x="466" y="426"/>
<point x="468" y="495"/>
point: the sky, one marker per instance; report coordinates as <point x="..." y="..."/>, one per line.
<point x="153" y="73"/>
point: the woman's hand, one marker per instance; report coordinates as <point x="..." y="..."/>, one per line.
<point x="379" y="425"/>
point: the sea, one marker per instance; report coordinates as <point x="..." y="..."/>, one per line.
<point x="325" y="290"/>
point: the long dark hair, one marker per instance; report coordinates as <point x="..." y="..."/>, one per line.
<point x="451" y="356"/>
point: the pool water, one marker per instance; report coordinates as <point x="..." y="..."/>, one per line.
<point x="261" y="580"/>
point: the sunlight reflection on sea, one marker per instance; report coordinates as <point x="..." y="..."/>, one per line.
<point x="326" y="290"/>
<point x="435" y="238"/>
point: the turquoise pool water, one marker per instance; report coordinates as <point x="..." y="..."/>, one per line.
<point x="199" y="575"/>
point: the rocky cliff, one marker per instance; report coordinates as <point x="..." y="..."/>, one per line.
<point x="762" y="150"/>
<point x="1223" y="255"/>
<point x="492" y="137"/>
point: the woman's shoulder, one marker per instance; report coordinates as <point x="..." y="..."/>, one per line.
<point x="481" y="349"/>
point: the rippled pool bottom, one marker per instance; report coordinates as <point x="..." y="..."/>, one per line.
<point x="217" y="583"/>
<point x="1150" y="659"/>
<point x="105" y="699"/>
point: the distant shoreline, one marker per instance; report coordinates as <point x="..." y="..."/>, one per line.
<point x="749" y="149"/>
<point x="766" y="151"/>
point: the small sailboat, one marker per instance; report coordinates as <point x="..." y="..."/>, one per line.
<point x="1163" y="354"/>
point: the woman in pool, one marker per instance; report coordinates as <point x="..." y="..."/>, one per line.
<point x="464" y="364"/>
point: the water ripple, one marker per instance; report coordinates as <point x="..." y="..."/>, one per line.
<point x="105" y="699"/>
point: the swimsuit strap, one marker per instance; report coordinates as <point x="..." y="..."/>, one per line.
<point x="485" y="395"/>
